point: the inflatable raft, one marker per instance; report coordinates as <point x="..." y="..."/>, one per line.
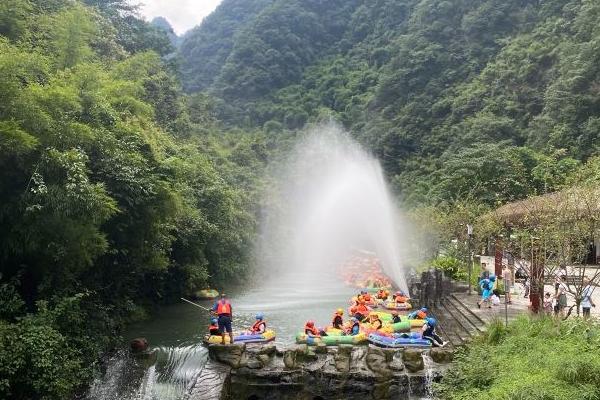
<point x="206" y="294"/>
<point x="397" y="341"/>
<point x="331" y="339"/>
<point x="243" y="337"/>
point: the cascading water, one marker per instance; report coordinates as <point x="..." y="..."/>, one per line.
<point x="332" y="200"/>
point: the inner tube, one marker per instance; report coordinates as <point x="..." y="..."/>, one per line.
<point x="242" y="337"/>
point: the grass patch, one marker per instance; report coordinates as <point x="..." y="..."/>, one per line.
<point x="532" y="359"/>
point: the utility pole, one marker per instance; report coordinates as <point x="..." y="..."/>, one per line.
<point x="470" y="256"/>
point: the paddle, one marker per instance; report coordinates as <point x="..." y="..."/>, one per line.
<point x="194" y="304"/>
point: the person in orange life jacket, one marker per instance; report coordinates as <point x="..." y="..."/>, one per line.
<point x="366" y="296"/>
<point x="361" y="311"/>
<point x="419" y="314"/>
<point x="375" y="321"/>
<point x="225" y="317"/>
<point x="395" y="317"/>
<point x="260" y="326"/>
<point x="354" y="328"/>
<point x="338" y="321"/>
<point x="311" y="330"/>
<point x="382" y="294"/>
<point x="400" y="297"/>
<point x="213" y="328"/>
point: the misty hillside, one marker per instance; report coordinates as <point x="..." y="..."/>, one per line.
<point x="434" y="87"/>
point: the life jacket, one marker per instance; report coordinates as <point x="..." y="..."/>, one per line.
<point x="362" y="309"/>
<point x="223" y="307"/>
<point x="311" y="329"/>
<point x="421" y="315"/>
<point x="337" y="321"/>
<point x="353" y="309"/>
<point x="367" y="297"/>
<point x="212" y="327"/>
<point x="256" y="326"/>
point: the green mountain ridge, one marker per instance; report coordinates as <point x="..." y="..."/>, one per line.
<point x="426" y="84"/>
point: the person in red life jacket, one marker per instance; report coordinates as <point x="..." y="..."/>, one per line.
<point x="338" y="321"/>
<point x="361" y="311"/>
<point x="225" y="317"/>
<point x="213" y="328"/>
<point x="310" y="329"/>
<point x="367" y="296"/>
<point x="260" y="326"/>
<point x="383" y="294"/>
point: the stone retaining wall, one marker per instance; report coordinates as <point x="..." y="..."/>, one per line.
<point x="300" y="372"/>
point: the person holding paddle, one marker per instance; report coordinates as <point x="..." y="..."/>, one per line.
<point x="225" y="316"/>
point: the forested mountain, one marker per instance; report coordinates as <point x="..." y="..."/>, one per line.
<point x="487" y="99"/>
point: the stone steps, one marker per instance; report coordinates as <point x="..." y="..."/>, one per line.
<point x="458" y="323"/>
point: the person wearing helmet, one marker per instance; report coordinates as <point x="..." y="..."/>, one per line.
<point x="213" y="328"/>
<point x="429" y="332"/>
<point x="383" y="294"/>
<point x="310" y="329"/>
<point x="223" y="310"/>
<point x="400" y="298"/>
<point x="367" y="296"/>
<point x="260" y="326"/>
<point x="487" y="286"/>
<point x="355" y="327"/>
<point x="395" y="317"/>
<point x="338" y="321"/>
<point x="375" y="321"/>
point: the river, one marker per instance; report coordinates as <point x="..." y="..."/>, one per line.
<point x="175" y="334"/>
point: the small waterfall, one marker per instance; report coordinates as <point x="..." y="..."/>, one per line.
<point x="162" y="375"/>
<point x="429" y="375"/>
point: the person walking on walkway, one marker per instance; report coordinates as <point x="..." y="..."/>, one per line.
<point x="561" y="296"/>
<point x="586" y="298"/>
<point x="507" y="282"/>
<point x="225" y="317"/>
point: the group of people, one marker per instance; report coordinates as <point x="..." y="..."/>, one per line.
<point x="221" y="322"/>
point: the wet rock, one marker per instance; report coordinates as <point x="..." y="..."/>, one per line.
<point x="413" y="360"/>
<point x="269" y="350"/>
<point x="139" y="345"/>
<point x="376" y="361"/>
<point x="264" y="359"/>
<point x="289" y="358"/>
<point x="342" y="358"/>
<point x="396" y="364"/>
<point x="441" y="355"/>
<point x="321" y="348"/>
<point x="231" y="355"/>
<point x="254" y="364"/>
<point x="381" y="391"/>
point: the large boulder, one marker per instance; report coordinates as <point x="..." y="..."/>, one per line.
<point x="293" y="355"/>
<point x="228" y="354"/>
<point x="413" y="360"/>
<point x="139" y="345"/>
<point x="441" y="355"/>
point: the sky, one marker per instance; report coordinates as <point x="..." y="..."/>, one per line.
<point x="182" y="14"/>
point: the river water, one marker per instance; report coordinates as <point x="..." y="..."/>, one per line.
<point x="175" y="335"/>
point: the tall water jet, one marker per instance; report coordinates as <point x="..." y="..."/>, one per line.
<point x="329" y="199"/>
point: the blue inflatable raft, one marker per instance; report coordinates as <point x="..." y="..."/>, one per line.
<point x="397" y="341"/>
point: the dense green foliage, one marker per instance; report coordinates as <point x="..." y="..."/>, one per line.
<point x="114" y="193"/>
<point x="493" y="100"/>
<point x="533" y="359"/>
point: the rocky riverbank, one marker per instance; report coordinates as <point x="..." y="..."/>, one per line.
<point x="300" y="372"/>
